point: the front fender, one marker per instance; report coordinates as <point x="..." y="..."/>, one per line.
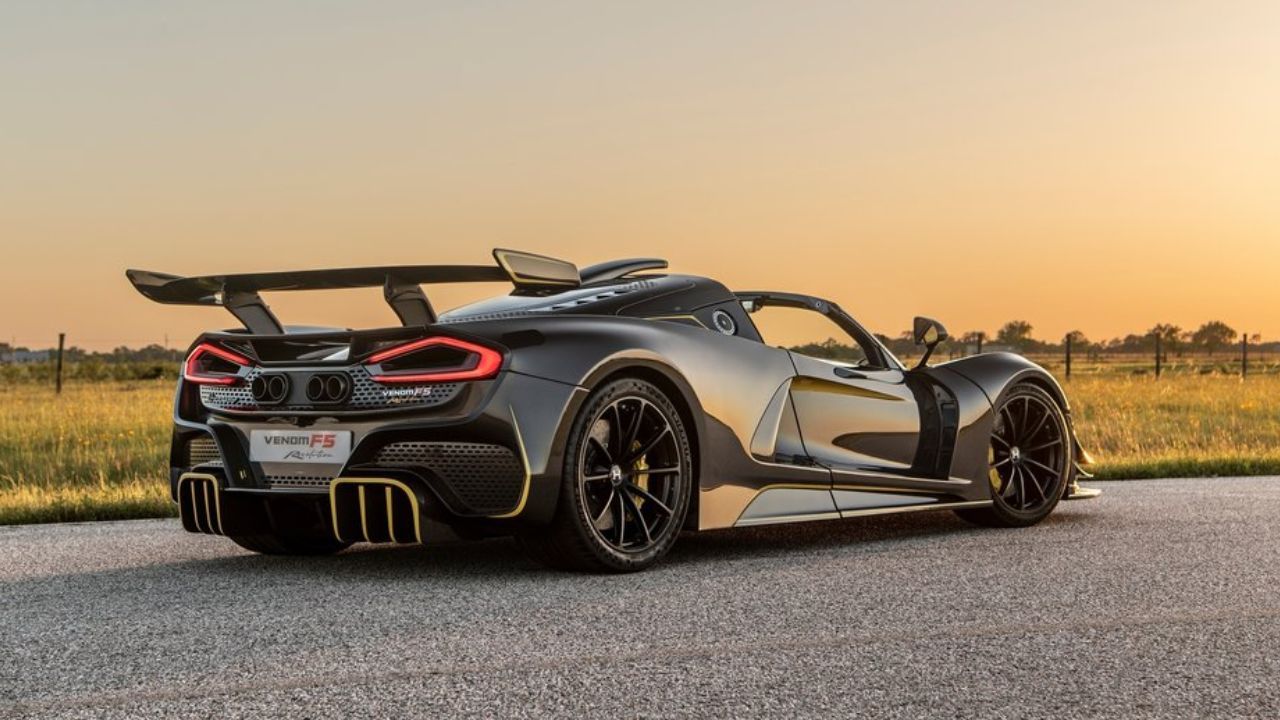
<point x="996" y="373"/>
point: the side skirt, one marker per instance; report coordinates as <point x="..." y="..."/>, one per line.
<point x="859" y="512"/>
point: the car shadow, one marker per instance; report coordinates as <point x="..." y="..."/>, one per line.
<point x="464" y="564"/>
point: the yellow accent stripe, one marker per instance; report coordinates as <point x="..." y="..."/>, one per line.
<point x="391" y="518"/>
<point x="364" y="514"/>
<point x="189" y="479"/>
<point x="208" y="516"/>
<point x="528" y="474"/>
<point x="195" y="516"/>
<point x="360" y="482"/>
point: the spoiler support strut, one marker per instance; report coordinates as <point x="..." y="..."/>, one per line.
<point x="408" y="301"/>
<point x="250" y="309"/>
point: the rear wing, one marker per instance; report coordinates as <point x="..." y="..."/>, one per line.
<point x="400" y="284"/>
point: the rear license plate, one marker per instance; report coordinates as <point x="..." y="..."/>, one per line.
<point x="300" y="446"/>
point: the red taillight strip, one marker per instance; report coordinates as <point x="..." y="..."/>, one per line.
<point x="191" y="373"/>
<point x="487" y="364"/>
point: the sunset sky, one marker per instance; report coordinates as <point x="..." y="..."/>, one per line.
<point x="1094" y="165"/>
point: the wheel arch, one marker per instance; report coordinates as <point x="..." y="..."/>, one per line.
<point x="997" y="373"/>
<point x="677" y="389"/>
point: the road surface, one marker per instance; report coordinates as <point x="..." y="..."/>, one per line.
<point x="1160" y="599"/>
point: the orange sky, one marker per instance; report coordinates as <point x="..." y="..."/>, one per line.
<point x="1093" y="165"/>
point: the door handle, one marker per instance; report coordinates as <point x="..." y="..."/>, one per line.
<point x="849" y="374"/>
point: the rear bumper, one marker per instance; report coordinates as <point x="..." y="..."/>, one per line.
<point x="354" y="509"/>
<point x="480" y="463"/>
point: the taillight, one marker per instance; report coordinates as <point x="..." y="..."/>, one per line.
<point x="435" y="359"/>
<point x="209" y="364"/>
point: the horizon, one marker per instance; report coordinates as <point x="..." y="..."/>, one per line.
<point x="971" y="165"/>
<point x="960" y="338"/>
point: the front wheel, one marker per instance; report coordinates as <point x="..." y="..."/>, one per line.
<point x="1029" y="460"/>
<point x="625" y="485"/>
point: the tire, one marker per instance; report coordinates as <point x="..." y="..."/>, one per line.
<point x="1030" y="458"/>
<point x="272" y="544"/>
<point x="625" y="486"/>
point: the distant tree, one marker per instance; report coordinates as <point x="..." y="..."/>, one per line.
<point x="1079" y="342"/>
<point x="898" y="346"/>
<point x="1015" y="333"/>
<point x="1170" y="337"/>
<point x="1131" y="343"/>
<point x="829" y="349"/>
<point x="1214" y="335"/>
<point x="1078" y="338"/>
<point x="977" y="338"/>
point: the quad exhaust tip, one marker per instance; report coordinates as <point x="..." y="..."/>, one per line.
<point x="269" y="389"/>
<point x="328" y="388"/>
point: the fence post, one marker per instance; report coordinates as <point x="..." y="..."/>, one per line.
<point x="1068" y="356"/>
<point x="1244" y="355"/>
<point x="62" y="338"/>
<point x="1157" y="356"/>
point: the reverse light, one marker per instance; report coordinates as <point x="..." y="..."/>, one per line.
<point x="210" y="364"/>
<point x="466" y="361"/>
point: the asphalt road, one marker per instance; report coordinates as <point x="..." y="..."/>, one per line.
<point x="1158" y="600"/>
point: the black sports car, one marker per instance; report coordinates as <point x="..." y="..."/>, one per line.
<point x="592" y="414"/>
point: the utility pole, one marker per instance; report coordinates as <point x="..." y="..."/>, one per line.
<point x="1244" y="355"/>
<point x="1068" y="356"/>
<point x="62" y="339"/>
<point x="1157" y="356"/>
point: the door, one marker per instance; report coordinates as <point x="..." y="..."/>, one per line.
<point x="856" y="411"/>
<point x="855" y="417"/>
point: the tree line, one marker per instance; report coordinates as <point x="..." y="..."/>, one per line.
<point x="150" y="353"/>
<point x="1213" y="337"/>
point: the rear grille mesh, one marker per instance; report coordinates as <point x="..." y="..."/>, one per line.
<point x="298" y="481"/>
<point x="486" y="478"/>
<point x="202" y="450"/>
<point x="365" y="394"/>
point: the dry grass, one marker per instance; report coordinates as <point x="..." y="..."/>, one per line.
<point x="99" y="450"/>
<point x="1180" y="425"/>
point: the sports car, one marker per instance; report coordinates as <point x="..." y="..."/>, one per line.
<point x="593" y="414"/>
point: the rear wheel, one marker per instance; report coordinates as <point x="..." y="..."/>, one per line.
<point x="1029" y="460"/>
<point x="625" y="485"/>
<point x="272" y="544"/>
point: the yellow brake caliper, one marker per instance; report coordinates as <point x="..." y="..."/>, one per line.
<point x="642" y="478"/>
<point x="992" y="472"/>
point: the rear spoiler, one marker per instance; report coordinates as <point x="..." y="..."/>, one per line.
<point x="400" y="284"/>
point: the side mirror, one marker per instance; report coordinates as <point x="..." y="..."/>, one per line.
<point x="928" y="332"/>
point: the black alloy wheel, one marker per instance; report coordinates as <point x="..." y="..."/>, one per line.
<point x="626" y="484"/>
<point x="629" y="474"/>
<point x="1029" y="459"/>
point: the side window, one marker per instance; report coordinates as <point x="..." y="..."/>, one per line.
<point x="809" y="333"/>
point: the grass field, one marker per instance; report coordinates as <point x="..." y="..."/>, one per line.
<point x="99" y="450"/>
